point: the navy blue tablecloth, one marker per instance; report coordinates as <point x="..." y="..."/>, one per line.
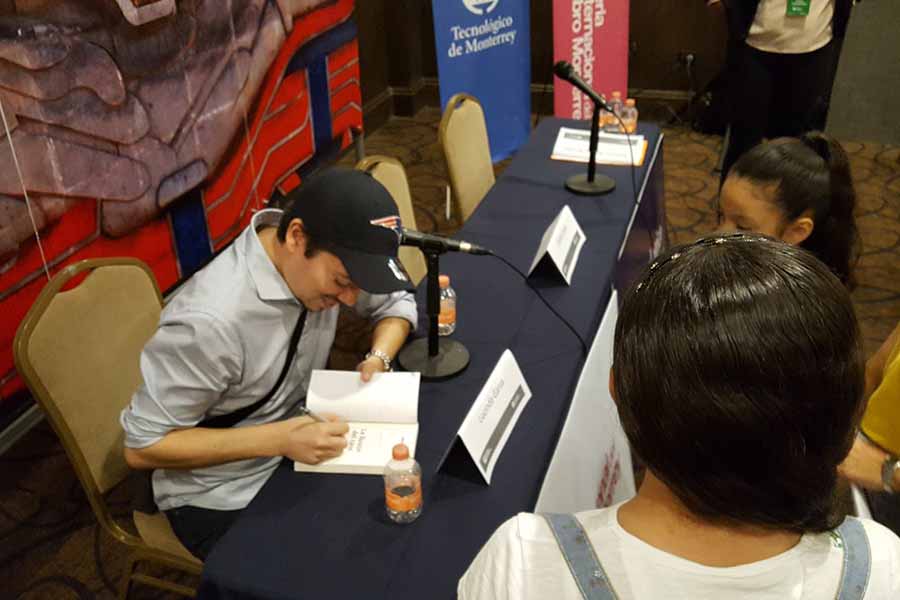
<point x="315" y="536"/>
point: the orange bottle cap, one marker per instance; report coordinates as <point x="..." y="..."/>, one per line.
<point x="629" y="102"/>
<point x="443" y="280"/>
<point x="617" y="94"/>
<point x="400" y="452"/>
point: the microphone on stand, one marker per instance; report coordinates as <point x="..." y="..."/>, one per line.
<point x="566" y="72"/>
<point x="591" y="184"/>
<point x="438" y="243"/>
<point x="434" y="357"/>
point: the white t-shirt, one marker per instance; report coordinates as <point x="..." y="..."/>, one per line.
<point x="522" y="561"/>
<point x="773" y="31"/>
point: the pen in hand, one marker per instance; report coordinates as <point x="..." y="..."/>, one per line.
<point x="308" y="413"/>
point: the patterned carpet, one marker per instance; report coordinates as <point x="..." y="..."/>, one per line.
<point x="50" y="545"/>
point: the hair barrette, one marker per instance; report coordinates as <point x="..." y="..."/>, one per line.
<point x="701" y="243"/>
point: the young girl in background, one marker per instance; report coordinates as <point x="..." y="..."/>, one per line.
<point x="798" y="190"/>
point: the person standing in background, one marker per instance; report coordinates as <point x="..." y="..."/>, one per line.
<point x="781" y="63"/>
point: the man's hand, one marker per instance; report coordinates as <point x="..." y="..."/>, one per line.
<point x="863" y="465"/>
<point x="311" y="442"/>
<point x="369" y="367"/>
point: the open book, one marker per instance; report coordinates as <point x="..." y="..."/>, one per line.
<point x="381" y="413"/>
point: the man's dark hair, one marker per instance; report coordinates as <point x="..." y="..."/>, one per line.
<point x="739" y="380"/>
<point x="313" y="244"/>
<point x="811" y="173"/>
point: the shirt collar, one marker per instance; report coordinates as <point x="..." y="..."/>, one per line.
<point x="270" y="285"/>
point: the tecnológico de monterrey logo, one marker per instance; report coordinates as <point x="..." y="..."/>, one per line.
<point x="481" y="7"/>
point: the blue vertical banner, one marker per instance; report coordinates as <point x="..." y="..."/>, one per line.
<point x="484" y="49"/>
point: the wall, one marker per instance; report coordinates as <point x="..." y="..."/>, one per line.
<point x="399" y="69"/>
<point x="154" y="130"/>
<point x="864" y="101"/>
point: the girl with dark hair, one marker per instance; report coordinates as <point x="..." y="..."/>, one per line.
<point x="798" y="190"/>
<point x="738" y="375"/>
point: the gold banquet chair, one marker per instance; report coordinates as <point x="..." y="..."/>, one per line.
<point x="78" y="351"/>
<point x="464" y="140"/>
<point x="390" y="173"/>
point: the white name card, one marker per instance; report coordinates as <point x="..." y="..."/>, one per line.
<point x="562" y="243"/>
<point x="493" y="415"/>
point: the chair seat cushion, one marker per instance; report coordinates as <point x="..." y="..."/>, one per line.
<point x="157" y="532"/>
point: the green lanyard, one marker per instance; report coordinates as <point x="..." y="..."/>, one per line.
<point x="798" y="8"/>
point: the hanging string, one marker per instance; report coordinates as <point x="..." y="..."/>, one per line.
<point x="234" y="49"/>
<point x="259" y="203"/>
<point x="12" y="148"/>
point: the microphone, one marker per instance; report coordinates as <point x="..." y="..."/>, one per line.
<point x="427" y="241"/>
<point x="566" y="72"/>
<point x="590" y="185"/>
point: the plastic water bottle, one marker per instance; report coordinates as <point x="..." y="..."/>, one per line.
<point x="605" y="116"/>
<point x="616" y="104"/>
<point x="403" y="486"/>
<point x="629" y="117"/>
<point x="447" y="316"/>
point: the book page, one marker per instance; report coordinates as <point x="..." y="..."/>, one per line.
<point x="387" y="398"/>
<point x="368" y="450"/>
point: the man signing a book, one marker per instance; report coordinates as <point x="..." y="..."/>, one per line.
<point x="226" y="373"/>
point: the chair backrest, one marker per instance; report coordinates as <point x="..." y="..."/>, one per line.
<point x="390" y="173"/>
<point x="78" y="351"/>
<point x="464" y="139"/>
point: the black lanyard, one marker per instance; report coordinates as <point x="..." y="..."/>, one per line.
<point x="233" y="418"/>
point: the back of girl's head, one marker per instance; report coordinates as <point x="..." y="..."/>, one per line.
<point x="812" y="174"/>
<point x="738" y="375"/>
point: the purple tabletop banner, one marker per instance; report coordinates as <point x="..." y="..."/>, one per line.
<point x="484" y="49"/>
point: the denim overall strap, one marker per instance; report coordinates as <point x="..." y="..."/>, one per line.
<point x="857" y="560"/>
<point x="581" y="558"/>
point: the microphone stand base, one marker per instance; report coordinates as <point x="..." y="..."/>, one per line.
<point x="452" y="359"/>
<point x="578" y="184"/>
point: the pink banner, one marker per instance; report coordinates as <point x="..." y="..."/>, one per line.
<point x="593" y="36"/>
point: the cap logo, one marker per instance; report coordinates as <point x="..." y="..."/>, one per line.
<point x="391" y="222"/>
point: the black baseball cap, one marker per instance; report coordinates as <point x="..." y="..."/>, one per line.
<point x="350" y="214"/>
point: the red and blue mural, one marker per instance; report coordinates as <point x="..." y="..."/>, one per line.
<point x="155" y="128"/>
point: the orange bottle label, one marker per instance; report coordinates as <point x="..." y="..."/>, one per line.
<point x="447" y="316"/>
<point x="403" y="498"/>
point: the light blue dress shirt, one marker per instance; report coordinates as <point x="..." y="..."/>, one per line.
<point x="221" y="344"/>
